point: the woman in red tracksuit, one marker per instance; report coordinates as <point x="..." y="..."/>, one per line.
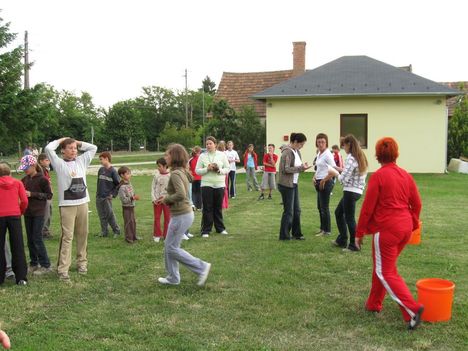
<point x="390" y="212"/>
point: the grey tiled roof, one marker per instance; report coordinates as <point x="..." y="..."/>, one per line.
<point x="356" y="76"/>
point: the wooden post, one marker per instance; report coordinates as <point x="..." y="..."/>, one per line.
<point x="26" y="61"/>
<point x="186" y="101"/>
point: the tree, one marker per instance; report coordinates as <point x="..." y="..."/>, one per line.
<point x="182" y="135"/>
<point x="242" y="127"/>
<point x="123" y="125"/>
<point x="457" y="141"/>
<point x="253" y="132"/>
<point x="157" y="107"/>
<point x="223" y="124"/>
<point x="208" y="86"/>
<point x="11" y="68"/>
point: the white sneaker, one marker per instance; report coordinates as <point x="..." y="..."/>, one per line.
<point x="224" y="232"/>
<point x="185" y="237"/>
<point x="156" y="239"/>
<point x="204" y="276"/>
<point x="164" y="281"/>
<point x="205" y="235"/>
<point x="189" y="235"/>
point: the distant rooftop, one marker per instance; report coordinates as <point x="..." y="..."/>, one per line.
<point x="237" y="88"/>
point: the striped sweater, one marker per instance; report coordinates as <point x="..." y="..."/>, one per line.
<point x="351" y="179"/>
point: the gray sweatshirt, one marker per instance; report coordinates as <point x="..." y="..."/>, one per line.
<point x="71" y="172"/>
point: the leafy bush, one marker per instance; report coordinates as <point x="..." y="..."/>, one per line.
<point x="457" y="142"/>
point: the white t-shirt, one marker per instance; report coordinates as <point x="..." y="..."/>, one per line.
<point x="297" y="163"/>
<point x="232" y="156"/>
<point x="324" y="160"/>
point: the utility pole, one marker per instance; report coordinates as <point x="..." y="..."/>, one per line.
<point x="26" y="61"/>
<point x="203" y="114"/>
<point x="186" y="100"/>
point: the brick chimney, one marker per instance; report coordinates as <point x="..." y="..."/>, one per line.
<point x="299" y="49"/>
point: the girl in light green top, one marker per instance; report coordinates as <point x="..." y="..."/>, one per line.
<point x="213" y="166"/>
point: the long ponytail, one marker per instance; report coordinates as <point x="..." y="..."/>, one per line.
<point x="356" y="151"/>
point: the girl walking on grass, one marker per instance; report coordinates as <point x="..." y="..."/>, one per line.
<point x="177" y="199"/>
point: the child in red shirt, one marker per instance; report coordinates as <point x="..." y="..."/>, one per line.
<point x="337" y="156"/>
<point x="269" y="172"/>
<point x="14" y="204"/>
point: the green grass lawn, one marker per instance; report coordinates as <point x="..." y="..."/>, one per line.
<point x="132" y="157"/>
<point x="262" y="294"/>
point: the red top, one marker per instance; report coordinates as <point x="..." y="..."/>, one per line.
<point x="193" y="164"/>
<point x="338" y="159"/>
<point x="255" y="158"/>
<point x="267" y="158"/>
<point x="392" y="202"/>
<point x="46" y="174"/>
<point x="13" y="195"/>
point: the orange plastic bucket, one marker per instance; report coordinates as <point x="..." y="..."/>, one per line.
<point x="437" y="297"/>
<point x="416" y="236"/>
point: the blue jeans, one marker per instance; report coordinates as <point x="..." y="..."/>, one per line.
<point x="174" y="254"/>
<point x="37" y="249"/>
<point x="323" y="204"/>
<point x="291" y="218"/>
<point x="232" y="183"/>
<point x="345" y="220"/>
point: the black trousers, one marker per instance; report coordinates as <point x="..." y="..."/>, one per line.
<point x="291" y="218"/>
<point x="232" y="183"/>
<point x="323" y="204"/>
<point x="212" y="209"/>
<point x="18" y="259"/>
<point x="345" y="218"/>
<point x="37" y="249"/>
<point x="196" y="194"/>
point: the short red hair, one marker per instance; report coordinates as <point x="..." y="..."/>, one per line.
<point x="386" y="150"/>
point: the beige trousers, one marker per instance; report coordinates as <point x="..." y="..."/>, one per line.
<point x="74" y="221"/>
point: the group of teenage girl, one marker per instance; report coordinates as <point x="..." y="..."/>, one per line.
<point x="390" y="211"/>
<point x="329" y="167"/>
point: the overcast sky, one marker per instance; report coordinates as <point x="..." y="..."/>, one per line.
<point x="112" y="48"/>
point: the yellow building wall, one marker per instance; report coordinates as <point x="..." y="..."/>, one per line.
<point x="418" y="124"/>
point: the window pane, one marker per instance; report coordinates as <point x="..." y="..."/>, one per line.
<point x="356" y="125"/>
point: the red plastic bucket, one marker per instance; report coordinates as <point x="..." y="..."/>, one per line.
<point x="416" y="236"/>
<point x="437" y="297"/>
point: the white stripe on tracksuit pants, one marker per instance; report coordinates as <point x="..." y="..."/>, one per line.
<point x="378" y="271"/>
<point x="387" y="246"/>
